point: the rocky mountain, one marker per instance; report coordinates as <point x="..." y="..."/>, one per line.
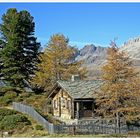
<point x="92" y="55"/>
<point x="132" y="47"/>
<point x="95" y="56"/>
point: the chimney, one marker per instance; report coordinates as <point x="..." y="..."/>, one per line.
<point x="75" y="78"/>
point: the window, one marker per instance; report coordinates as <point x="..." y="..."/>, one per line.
<point x="68" y="104"/>
<point x="55" y="104"/>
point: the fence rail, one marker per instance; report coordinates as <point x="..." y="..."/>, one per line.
<point x="35" y="115"/>
<point x="92" y="129"/>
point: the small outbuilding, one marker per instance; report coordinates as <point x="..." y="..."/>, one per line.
<point x="74" y="99"/>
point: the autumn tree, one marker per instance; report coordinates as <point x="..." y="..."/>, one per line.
<point x="56" y="63"/>
<point x="18" y="47"/>
<point x="120" y="92"/>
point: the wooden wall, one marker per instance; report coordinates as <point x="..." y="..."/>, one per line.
<point x="62" y="105"/>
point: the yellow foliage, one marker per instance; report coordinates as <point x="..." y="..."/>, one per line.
<point x="56" y="63"/>
<point x="120" y="93"/>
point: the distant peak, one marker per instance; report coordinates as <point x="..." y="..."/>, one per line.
<point x="131" y="41"/>
<point x="88" y="49"/>
<point x="89" y="46"/>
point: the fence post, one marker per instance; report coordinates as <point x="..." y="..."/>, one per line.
<point x="51" y="128"/>
<point x="74" y="129"/>
<point x="93" y="128"/>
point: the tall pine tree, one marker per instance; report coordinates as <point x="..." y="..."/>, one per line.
<point x="19" y="48"/>
<point x="28" y="43"/>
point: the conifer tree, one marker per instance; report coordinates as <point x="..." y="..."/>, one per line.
<point x="56" y="63"/>
<point x="28" y="43"/>
<point x="9" y="52"/>
<point x="19" y="48"/>
<point x="120" y="92"/>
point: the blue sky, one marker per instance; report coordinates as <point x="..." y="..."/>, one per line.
<point x="83" y="23"/>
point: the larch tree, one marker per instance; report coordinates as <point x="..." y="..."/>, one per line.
<point x="19" y="48"/>
<point x="120" y="92"/>
<point x="56" y="63"/>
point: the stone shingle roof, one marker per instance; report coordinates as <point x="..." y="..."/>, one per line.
<point x="80" y="88"/>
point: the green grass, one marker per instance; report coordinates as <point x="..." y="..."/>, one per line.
<point x="31" y="131"/>
<point x="75" y="136"/>
<point x="31" y="134"/>
<point x="94" y="136"/>
<point x="19" y="125"/>
<point x="12" y="121"/>
<point x="44" y="134"/>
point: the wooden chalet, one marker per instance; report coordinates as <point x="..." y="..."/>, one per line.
<point x="74" y="99"/>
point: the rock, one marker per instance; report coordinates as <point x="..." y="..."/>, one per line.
<point x="5" y="134"/>
<point x="92" y="55"/>
<point x="132" y="47"/>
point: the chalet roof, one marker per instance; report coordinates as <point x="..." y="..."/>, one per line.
<point x="80" y="88"/>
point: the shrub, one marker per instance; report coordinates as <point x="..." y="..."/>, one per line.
<point x="39" y="127"/>
<point x="19" y="99"/>
<point x="51" y="119"/>
<point x="5" y="89"/>
<point x="2" y="93"/>
<point x="4" y="101"/>
<point x="1" y="117"/>
<point x="22" y="97"/>
<point x="25" y="95"/>
<point x="15" y="121"/>
<point x="12" y="121"/>
<point x="8" y="98"/>
<point x="8" y="88"/>
<point x="5" y="112"/>
<point x="10" y="94"/>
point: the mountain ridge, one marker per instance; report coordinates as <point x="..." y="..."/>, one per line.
<point x="95" y="56"/>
